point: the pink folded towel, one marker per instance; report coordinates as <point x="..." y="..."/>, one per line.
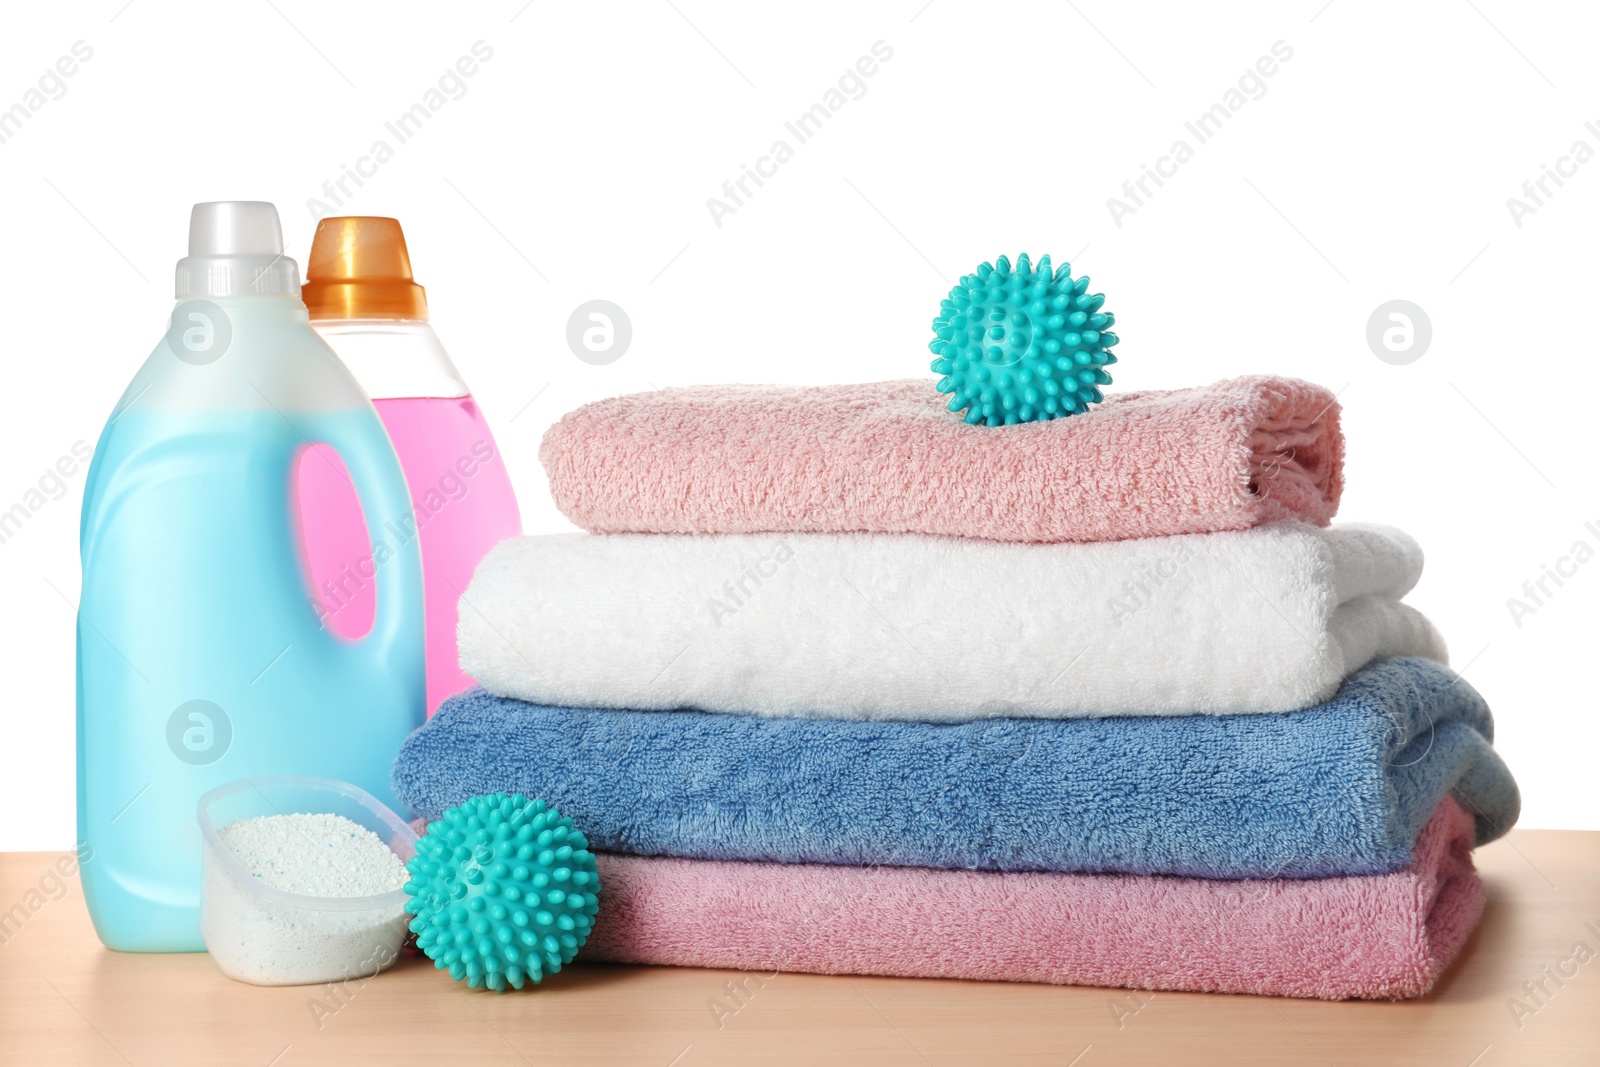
<point x="1384" y="936"/>
<point x="886" y="457"/>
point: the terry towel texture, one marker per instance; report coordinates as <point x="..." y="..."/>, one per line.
<point x="886" y="457"/>
<point x="1342" y="788"/>
<point x="876" y="626"/>
<point x="1382" y="937"/>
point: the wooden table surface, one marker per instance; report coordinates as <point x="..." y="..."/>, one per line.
<point x="65" y="1000"/>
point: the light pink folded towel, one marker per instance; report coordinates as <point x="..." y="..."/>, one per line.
<point x="1384" y="936"/>
<point x="886" y="457"/>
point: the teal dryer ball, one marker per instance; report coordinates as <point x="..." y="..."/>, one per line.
<point x="503" y="891"/>
<point x="1022" y="344"/>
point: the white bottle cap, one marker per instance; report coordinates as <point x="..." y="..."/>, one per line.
<point x="236" y="248"/>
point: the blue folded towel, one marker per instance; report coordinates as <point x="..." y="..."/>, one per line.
<point x="1340" y="788"/>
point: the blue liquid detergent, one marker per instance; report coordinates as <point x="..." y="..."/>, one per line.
<point x="201" y="656"/>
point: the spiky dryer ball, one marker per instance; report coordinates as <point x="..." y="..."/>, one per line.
<point x="503" y="890"/>
<point x="1020" y="344"/>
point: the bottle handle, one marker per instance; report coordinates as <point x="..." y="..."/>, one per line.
<point x="395" y="554"/>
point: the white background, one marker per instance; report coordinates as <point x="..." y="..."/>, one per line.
<point x="578" y="165"/>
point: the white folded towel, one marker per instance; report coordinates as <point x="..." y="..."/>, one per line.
<point x="891" y="626"/>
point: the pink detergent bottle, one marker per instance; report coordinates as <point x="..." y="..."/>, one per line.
<point x="366" y="306"/>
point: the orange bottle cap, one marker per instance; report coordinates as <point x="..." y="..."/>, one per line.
<point x="359" y="269"/>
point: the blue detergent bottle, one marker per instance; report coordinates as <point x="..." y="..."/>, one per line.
<point x="201" y="655"/>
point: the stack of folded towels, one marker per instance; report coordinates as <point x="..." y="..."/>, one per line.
<point x="839" y="683"/>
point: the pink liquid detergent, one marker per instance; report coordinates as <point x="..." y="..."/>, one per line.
<point x="364" y="303"/>
<point x="462" y="506"/>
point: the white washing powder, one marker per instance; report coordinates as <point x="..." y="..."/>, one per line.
<point x="315" y="855"/>
<point x="269" y="942"/>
